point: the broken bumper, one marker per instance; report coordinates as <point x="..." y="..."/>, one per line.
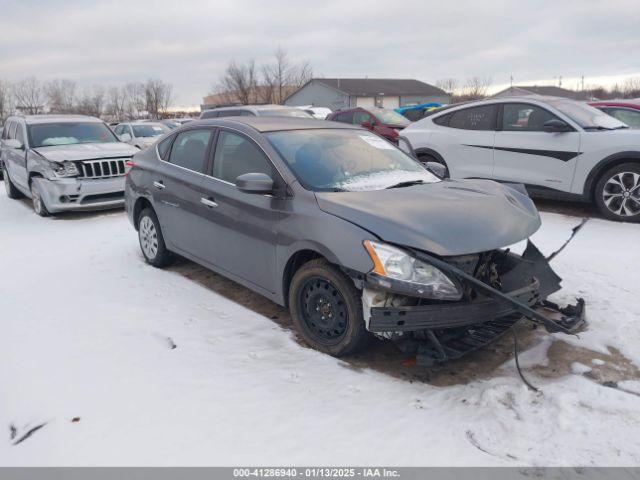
<point x="77" y="194"/>
<point x="447" y="315"/>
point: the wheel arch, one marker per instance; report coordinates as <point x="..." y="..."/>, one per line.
<point x="138" y="207"/>
<point x="604" y="165"/>
<point x="295" y="261"/>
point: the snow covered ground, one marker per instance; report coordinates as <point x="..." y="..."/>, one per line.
<point x="88" y="330"/>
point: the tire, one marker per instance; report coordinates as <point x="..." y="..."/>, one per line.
<point x="425" y="157"/>
<point x="36" y="201"/>
<point x="12" y="191"/>
<point x="326" y="309"/>
<point x="151" y="240"/>
<point x="617" y="193"/>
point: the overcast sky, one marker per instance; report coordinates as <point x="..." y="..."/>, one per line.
<point x="189" y="43"/>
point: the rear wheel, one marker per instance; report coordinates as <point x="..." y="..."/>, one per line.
<point x="326" y="309"/>
<point x="36" y="199"/>
<point x="617" y="193"/>
<point x="12" y="191"/>
<point x="151" y="240"/>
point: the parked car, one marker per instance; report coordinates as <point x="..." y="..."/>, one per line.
<point x="627" y="111"/>
<point x="417" y="112"/>
<point x="140" y="134"/>
<point x="254" y="111"/>
<point x="172" y="123"/>
<point x="64" y="162"/>
<point x="352" y="234"/>
<point x="321" y="113"/>
<point x="382" y="121"/>
<point x="559" y="148"/>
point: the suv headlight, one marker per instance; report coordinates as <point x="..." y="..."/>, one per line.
<point x="408" y="274"/>
<point x="64" y="169"/>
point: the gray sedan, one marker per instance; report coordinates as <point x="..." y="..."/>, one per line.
<point x="354" y="235"/>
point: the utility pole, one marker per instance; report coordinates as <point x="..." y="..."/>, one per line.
<point x="583" y="83"/>
<point x="511" y="81"/>
<point x="560" y="81"/>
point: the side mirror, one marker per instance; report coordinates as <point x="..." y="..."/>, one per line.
<point x="436" y="168"/>
<point x="554" y="126"/>
<point x="13" y="144"/>
<point x="255" y="183"/>
<point x="125" y="137"/>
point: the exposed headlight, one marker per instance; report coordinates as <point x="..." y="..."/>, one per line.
<point x="409" y="273"/>
<point x="64" y="169"/>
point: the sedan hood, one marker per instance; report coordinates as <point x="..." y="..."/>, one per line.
<point x="86" y="151"/>
<point x="444" y="218"/>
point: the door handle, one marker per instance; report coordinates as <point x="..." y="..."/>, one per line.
<point x="159" y="185"/>
<point x="208" y="202"/>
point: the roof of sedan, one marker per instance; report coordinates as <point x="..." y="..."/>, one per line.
<point x="274" y="124"/>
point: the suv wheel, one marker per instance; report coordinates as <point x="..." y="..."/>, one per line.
<point x="151" y="240"/>
<point x="12" y="191"/>
<point x="36" y="199"/>
<point x="326" y="309"/>
<point x="617" y="193"/>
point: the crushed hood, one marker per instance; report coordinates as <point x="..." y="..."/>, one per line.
<point x="86" y="151"/>
<point x="452" y="217"/>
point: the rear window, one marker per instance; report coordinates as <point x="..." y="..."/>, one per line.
<point x="208" y="114"/>
<point x="474" y="118"/>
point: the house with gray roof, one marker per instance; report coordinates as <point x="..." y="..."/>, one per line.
<point x="547" y="90"/>
<point x="339" y="93"/>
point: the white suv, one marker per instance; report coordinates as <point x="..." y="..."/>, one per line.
<point x="558" y="148"/>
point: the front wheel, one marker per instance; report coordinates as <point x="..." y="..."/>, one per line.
<point x="617" y="193"/>
<point x="36" y="199"/>
<point x="151" y="240"/>
<point x="326" y="309"/>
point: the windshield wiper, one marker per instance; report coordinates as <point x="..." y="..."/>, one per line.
<point x="407" y="183"/>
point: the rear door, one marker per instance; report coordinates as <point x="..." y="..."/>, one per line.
<point x="241" y="227"/>
<point x="15" y="159"/>
<point x="177" y="190"/>
<point x="525" y="153"/>
<point x="466" y="141"/>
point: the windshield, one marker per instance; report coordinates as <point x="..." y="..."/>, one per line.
<point x="389" y="116"/>
<point x="49" y="134"/>
<point x="346" y="160"/>
<point x="285" y="112"/>
<point x="149" y="130"/>
<point x="586" y="116"/>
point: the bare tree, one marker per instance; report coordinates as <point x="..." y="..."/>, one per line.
<point x="240" y="79"/>
<point x="135" y="99"/>
<point x="449" y="85"/>
<point x="116" y="106"/>
<point x="476" y="88"/>
<point x="92" y="101"/>
<point x="158" y="96"/>
<point x="631" y="87"/>
<point x="29" y="96"/>
<point x="5" y="101"/>
<point x="61" y="95"/>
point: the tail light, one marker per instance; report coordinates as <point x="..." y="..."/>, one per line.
<point x="128" y="164"/>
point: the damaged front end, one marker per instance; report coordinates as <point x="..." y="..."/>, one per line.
<point x="495" y="290"/>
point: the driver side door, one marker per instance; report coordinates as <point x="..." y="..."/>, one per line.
<point x="525" y="153"/>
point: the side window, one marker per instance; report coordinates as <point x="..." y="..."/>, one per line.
<point x="236" y="155"/>
<point x="230" y="113"/>
<point x="474" y="118"/>
<point x="345" y="117"/>
<point x="190" y="148"/>
<point x="127" y="129"/>
<point x="5" y="130"/>
<point x="209" y="114"/>
<point x="164" y="146"/>
<point x="626" y="115"/>
<point x="524" y="117"/>
<point x="12" y="130"/>
<point x="118" y="130"/>
<point x="442" y="120"/>
<point x="360" y="117"/>
<point x="20" y="134"/>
